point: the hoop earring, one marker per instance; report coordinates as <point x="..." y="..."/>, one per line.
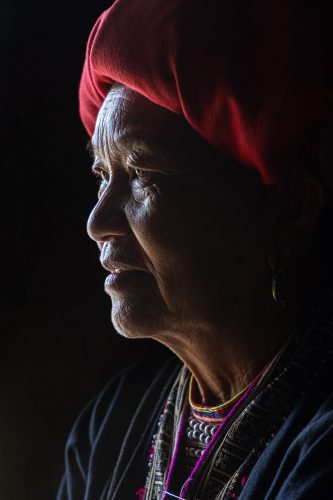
<point x="279" y="291"/>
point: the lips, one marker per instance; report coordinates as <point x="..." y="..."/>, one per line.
<point x="122" y="279"/>
<point x="125" y="268"/>
<point x="115" y="267"/>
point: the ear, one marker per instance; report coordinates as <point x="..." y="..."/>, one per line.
<point x="296" y="221"/>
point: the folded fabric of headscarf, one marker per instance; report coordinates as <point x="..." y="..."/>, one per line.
<point x="253" y="78"/>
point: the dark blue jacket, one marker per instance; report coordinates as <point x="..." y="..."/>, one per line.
<point x="107" y="450"/>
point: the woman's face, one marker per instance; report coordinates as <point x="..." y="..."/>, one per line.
<point x="182" y="231"/>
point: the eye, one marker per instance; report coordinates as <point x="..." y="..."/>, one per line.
<point x="143" y="176"/>
<point x="102" y="174"/>
<point x="140" y="173"/>
<point x="143" y="169"/>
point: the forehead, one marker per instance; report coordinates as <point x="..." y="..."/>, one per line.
<point x="126" y="117"/>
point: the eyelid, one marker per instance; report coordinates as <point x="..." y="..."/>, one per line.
<point x="98" y="162"/>
<point x="95" y="171"/>
<point x="97" y="166"/>
<point x="145" y="167"/>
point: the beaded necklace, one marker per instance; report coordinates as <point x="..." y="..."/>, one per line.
<point x="211" y="414"/>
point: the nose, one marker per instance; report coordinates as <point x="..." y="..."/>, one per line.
<point x="108" y="218"/>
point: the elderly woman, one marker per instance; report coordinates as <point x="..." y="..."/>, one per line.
<point x="214" y="223"/>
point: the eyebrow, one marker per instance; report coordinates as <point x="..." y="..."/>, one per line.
<point x="139" y="145"/>
<point x="146" y="148"/>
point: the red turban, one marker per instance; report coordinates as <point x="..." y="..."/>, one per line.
<point x="252" y="78"/>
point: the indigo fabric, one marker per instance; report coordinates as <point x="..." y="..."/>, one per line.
<point x="107" y="451"/>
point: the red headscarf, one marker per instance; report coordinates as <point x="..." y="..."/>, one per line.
<point x="252" y="78"/>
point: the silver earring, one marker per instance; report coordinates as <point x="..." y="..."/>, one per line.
<point x="279" y="290"/>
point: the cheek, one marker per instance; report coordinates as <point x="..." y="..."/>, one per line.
<point x="155" y="230"/>
<point x="158" y="224"/>
<point x="192" y="228"/>
<point x="174" y="229"/>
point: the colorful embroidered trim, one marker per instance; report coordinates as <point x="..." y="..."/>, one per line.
<point x="211" y="414"/>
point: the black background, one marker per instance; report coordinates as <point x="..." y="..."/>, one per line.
<point x="57" y="346"/>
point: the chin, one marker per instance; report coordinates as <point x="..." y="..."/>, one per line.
<point x="138" y="317"/>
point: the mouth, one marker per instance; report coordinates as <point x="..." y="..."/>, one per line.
<point x="123" y="279"/>
<point x="123" y="275"/>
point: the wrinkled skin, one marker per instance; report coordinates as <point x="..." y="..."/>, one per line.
<point x="195" y="229"/>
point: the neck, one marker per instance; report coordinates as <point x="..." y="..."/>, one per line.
<point x="226" y="358"/>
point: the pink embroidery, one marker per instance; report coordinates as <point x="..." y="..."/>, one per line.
<point x="141" y="493"/>
<point x="243" y="481"/>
